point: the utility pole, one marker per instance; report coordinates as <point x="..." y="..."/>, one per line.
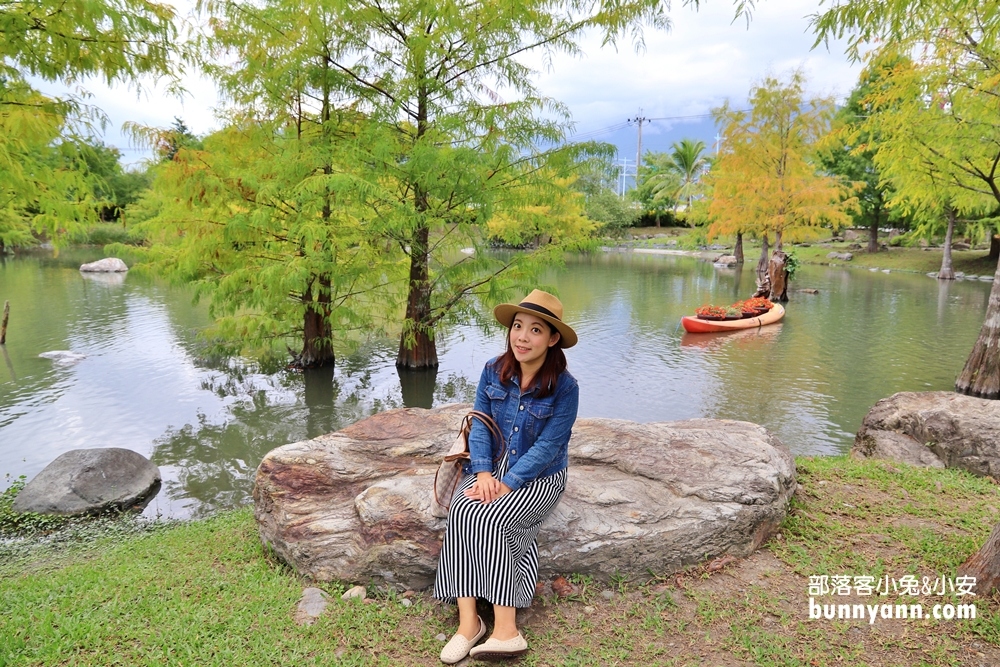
<point x="640" y="119"/>
<point x="718" y="143"/>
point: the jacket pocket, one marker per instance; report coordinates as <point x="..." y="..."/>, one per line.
<point x="539" y="412"/>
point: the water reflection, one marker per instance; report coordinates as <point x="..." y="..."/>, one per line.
<point x="418" y="387"/>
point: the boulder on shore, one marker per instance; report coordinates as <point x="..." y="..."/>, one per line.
<point x="843" y="256"/>
<point x="90" y="481"/>
<point x="725" y="260"/>
<point x="106" y="265"/>
<point x="934" y="428"/>
<point x="355" y="505"/>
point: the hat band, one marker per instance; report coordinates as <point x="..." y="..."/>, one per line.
<point x="539" y="309"/>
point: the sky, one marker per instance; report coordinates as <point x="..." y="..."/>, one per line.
<point x="704" y="60"/>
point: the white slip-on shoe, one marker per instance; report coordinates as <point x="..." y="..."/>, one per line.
<point x="458" y="647"/>
<point x="496" y="649"/>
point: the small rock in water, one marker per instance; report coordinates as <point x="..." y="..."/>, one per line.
<point x="106" y="265"/>
<point x="885" y="271"/>
<point x="932" y="274"/>
<point x="63" y="357"/>
<point x="986" y="279"/>
<point x="312" y="604"/>
<point x="356" y="592"/>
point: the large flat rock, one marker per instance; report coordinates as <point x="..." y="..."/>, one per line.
<point x="934" y="428"/>
<point x="355" y="505"/>
<point x="90" y="481"/>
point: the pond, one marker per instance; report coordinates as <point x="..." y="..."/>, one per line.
<point x="207" y="424"/>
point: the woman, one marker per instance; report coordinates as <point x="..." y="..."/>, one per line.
<point x="489" y="548"/>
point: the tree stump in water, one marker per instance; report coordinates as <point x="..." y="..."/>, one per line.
<point x="777" y="273"/>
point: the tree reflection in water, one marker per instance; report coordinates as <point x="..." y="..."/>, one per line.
<point x="216" y="458"/>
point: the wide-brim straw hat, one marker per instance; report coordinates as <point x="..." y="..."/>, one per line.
<point x="543" y="306"/>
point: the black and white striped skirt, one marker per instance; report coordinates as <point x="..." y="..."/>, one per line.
<point x="489" y="550"/>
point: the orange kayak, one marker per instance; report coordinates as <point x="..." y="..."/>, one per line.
<point x="694" y="325"/>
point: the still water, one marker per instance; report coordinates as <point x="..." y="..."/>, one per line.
<point x="143" y="386"/>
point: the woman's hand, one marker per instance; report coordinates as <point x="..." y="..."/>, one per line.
<point x="486" y="488"/>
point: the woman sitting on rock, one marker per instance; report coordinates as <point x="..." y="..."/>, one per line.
<point x="489" y="548"/>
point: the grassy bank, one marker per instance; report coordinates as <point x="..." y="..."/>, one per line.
<point x="916" y="260"/>
<point x="206" y="593"/>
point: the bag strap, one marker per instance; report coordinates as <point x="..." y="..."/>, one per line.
<point x="492" y="427"/>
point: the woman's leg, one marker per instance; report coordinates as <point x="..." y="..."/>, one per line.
<point x="504" y="622"/>
<point x="468" y="619"/>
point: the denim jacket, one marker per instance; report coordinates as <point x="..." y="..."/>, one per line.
<point x="536" y="430"/>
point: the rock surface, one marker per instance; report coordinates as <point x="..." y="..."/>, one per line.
<point x="844" y="256"/>
<point x="355" y="505"/>
<point x="63" y="357"/>
<point x="934" y="428"/>
<point x="106" y="265"/>
<point x="311" y="606"/>
<point x="90" y="481"/>
<point x="726" y="260"/>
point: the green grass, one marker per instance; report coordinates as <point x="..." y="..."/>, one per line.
<point x="207" y="593"/>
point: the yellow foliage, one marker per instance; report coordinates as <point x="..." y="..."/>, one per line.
<point x="765" y="179"/>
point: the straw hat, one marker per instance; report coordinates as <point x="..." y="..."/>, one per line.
<point x="543" y="306"/>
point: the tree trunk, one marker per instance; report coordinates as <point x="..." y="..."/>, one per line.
<point x="762" y="262"/>
<point x="417" y="348"/>
<point x="777" y="272"/>
<point x="738" y="250"/>
<point x="984" y="565"/>
<point x="317" y="348"/>
<point x="873" y="233"/>
<point x="981" y="375"/>
<point x="657" y="219"/>
<point x="416" y="342"/>
<point x="777" y="240"/>
<point x="994" y="247"/>
<point x="946" y="272"/>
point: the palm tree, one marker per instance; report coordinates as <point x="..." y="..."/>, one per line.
<point x="681" y="179"/>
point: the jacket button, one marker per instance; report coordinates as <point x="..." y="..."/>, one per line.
<point x="520" y="407"/>
<point x="515" y="429"/>
<point x="513" y="451"/>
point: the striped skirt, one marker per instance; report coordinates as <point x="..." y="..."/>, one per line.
<point x="489" y="550"/>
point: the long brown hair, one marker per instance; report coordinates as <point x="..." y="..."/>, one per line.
<point x="508" y="367"/>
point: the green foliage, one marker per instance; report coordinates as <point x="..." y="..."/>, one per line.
<point x="43" y="175"/>
<point x="678" y="179"/>
<point x="364" y="148"/>
<point x="849" y="152"/>
<point x="114" y="188"/>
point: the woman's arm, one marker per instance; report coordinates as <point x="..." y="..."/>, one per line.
<point x="480" y="440"/>
<point x="550" y="443"/>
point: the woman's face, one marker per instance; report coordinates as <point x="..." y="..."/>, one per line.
<point x="530" y="338"/>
